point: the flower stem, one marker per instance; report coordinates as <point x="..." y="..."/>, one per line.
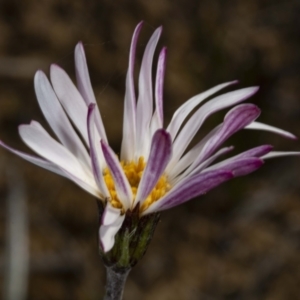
<point x="115" y="283"/>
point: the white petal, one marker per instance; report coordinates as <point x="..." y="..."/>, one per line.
<point x="35" y="160"/>
<point x="262" y="126"/>
<point x="129" y="119"/>
<point x="89" y="187"/>
<point x="97" y="158"/>
<point x="184" y="110"/>
<point x="85" y="87"/>
<point x="35" y="136"/>
<point x="158" y="116"/>
<point x="110" y="215"/>
<point x="145" y="99"/>
<point x="107" y="233"/>
<point x="70" y="99"/>
<point x="57" y="118"/>
<point x="279" y="153"/>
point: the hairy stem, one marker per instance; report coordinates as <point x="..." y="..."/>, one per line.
<point x="115" y="283"/>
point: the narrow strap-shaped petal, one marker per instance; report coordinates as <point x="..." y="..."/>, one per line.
<point x="96" y="151"/>
<point x="57" y="118"/>
<point x="259" y="151"/>
<point x="145" y="99"/>
<point x="194" y="123"/>
<point x="236" y="119"/>
<point x="239" y="167"/>
<point x="184" y="110"/>
<point x="36" y="137"/>
<point x="35" y="160"/>
<point x="90" y="187"/>
<point x="107" y="233"/>
<point x="121" y="182"/>
<point x="160" y="154"/>
<point x="158" y="116"/>
<point x="203" y="165"/>
<point x="280" y="153"/>
<point x="110" y="215"/>
<point x="190" y="187"/>
<point x="85" y="87"/>
<point x="70" y="99"/>
<point x="190" y="156"/>
<point x="262" y="126"/>
<point x="129" y="119"/>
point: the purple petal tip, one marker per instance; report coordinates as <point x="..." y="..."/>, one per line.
<point x="92" y="106"/>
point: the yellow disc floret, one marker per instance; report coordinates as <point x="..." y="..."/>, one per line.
<point x="134" y="171"/>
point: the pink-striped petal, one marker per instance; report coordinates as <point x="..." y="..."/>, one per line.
<point x="57" y="118"/>
<point x="121" y="182"/>
<point x="184" y="110"/>
<point x="203" y="165"/>
<point x="259" y="151"/>
<point x="85" y="87"/>
<point x="145" y="99"/>
<point x="129" y="121"/>
<point x="240" y="166"/>
<point x="194" y="123"/>
<point x="255" y="152"/>
<point x="265" y="127"/>
<point x="160" y="154"/>
<point x="236" y="119"/>
<point x="97" y="159"/>
<point x="70" y="99"/>
<point x="189" y="188"/>
<point x="190" y="156"/>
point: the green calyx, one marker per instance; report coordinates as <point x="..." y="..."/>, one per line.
<point x="132" y="240"/>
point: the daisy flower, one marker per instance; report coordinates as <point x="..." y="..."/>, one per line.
<point x="154" y="171"/>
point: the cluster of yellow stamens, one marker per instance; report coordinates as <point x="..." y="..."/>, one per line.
<point x="133" y="171"/>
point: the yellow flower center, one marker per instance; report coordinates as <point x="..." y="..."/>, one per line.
<point x="134" y="171"/>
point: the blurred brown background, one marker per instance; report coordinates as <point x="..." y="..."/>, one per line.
<point x="242" y="240"/>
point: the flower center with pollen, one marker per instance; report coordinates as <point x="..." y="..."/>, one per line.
<point x="134" y="171"/>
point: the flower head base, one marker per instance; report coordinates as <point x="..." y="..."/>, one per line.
<point x="155" y="171"/>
